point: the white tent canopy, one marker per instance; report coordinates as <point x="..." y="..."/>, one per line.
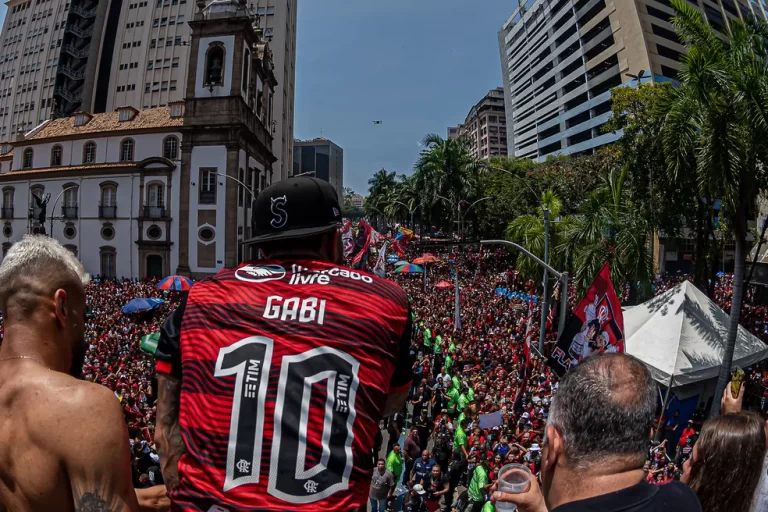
<point x="680" y="336"/>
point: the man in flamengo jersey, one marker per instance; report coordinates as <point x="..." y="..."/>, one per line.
<point x="273" y="376"/>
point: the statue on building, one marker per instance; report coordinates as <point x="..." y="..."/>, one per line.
<point x="42" y="204"/>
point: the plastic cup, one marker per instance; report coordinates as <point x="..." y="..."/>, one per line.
<point x="514" y="479"/>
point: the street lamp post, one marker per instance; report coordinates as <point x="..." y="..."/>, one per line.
<point x="461" y="223"/>
<point x="562" y="276"/>
<point x="245" y="221"/>
<point x="53" y="209"/>
<point x="545" y="296"/>
<point x="410" y="211"/>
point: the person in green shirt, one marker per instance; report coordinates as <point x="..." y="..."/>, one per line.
<point x="438" y="344"/>
<point x="460" y="438"/>
<point x="470" y="394"/>
<point x="448" y="362"/>
<point x="456" y="382"/>
<point x="488" y="507"/>
<point x="479" y="486"/>
<point x="395" y="462"/>
<point x="463" y="401"/>
<point x="453" y="398"/>
<point x="452" y="347"/>
<point x="427" y="337"/>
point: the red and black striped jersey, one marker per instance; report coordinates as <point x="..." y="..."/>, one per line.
<point x="285" y="368"/>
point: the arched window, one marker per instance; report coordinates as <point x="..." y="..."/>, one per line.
<point x="56" y="154"/>
<point x="8" y="197"/>
<point x="155" y="201"/>
<point x="28" y="155"/>
<point x="39" y="192"/>
<point x="108" y="256"/>
<point x="108" y="204"/>
<point x="214" y="65"/>
<point x="126" y="150"/>
<point x="69" y="206"/>
<point x="89" y="153"/>
<point x="246" y="70"/>
<point x="171" y="148"/>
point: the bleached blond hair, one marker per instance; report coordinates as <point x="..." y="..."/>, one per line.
<point x="36" y="255"/>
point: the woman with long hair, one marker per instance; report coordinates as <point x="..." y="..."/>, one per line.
<point x="727" y="462"/>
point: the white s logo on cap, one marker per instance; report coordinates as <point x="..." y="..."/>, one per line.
<point x="280" y="218"/>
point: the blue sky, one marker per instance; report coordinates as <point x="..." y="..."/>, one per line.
<point x="417" y="65"/>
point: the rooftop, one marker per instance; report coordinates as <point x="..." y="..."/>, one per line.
<point x="146" y="119"/>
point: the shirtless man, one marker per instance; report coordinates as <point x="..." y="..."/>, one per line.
<point x="63" y="441"/>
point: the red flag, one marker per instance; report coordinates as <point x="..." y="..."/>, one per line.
<point x="595" y="326"/>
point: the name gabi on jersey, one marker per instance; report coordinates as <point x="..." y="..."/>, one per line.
<point x="305" y="310"/>
<point x="303" y="275"/>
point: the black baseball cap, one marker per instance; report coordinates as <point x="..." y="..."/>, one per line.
<point x="295" y="208"/>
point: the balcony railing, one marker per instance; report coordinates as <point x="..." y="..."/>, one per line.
<point x="75" y="52"/>
<point x="154" y="212"/>
<point x="69" y="96"/>
<point x="72" y="73"/>
<point x="79" y="32"/>
<point x="82" y="11"/>
<point x="6" y="213"/>
<point x="207" y="197"/>
<point x="108" y="212"/>
<point x="69" y="212"/>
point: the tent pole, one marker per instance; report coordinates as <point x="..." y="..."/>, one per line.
<point x="657" y="437"/>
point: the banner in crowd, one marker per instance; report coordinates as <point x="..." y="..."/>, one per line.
<point x="595" y="326"/>
<point x="362" y="243"/>
<point x="347" y="238"/>
<point x="511" y="294"/>
<point x="381" y="264"/>
<point x="402" y="239"/>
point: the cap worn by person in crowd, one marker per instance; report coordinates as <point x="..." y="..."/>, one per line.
<point x="295" y="208"/>
<point x="535" y="447"/>
<point x="419" y="489"/>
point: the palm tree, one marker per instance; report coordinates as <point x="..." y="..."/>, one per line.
<point x="717" y="129"/>
<point x="608" y="227"/>
<point x="528" y="231"/>
<point x="445" y="168"/>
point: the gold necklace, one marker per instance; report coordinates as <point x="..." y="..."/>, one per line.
<point x="26" y="357"/>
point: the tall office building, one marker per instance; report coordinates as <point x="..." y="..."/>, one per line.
<point x="485" y="127"/>
<point x="560" y="59"/>
<point x="57" y="58"/>
<point x="321" y="157"/>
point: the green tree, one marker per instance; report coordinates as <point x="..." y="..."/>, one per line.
<point x="445" y="168"/>
<point x="528" y="231"/>
<point x="716" y="130"/>
<point x="609" y="228"/>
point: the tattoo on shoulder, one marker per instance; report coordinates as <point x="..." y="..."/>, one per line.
<point x="92" y="502"/>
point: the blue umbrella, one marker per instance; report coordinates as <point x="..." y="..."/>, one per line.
<point x="138" y="305"/>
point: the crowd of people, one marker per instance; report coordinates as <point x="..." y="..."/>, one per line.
<point x="473" y="406"/>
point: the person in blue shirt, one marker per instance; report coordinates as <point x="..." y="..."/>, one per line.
<point x="422" y="467"/>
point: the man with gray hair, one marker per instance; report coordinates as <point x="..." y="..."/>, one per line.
<point x="63" y="441"/>
<point x="595" y="444"/>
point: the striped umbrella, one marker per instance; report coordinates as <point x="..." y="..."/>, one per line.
<point x="409" y="269"/>
<point x="175" y="283"/>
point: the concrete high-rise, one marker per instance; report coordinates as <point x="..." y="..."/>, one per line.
<point x="485" y="127"/>
<point x="57" y="58"/>
<point x="321" y="157"/>
<point x="560" y="59"/>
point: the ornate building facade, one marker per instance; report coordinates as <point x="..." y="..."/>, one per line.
<point x="136" y="193"/>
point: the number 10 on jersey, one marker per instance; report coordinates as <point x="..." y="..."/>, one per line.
<point x="250" y="360"/>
